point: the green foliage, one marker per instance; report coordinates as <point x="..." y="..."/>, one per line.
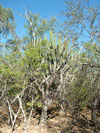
<point x="53" y="65"/>
<point x="6" y="21"/>
<point x="36" y="103"/>
<point x="38" y="27"/>
<point x="80" y="90"/>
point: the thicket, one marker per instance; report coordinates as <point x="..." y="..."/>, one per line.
<point x="37" y="70"/>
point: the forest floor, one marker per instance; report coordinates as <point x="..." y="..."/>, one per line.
<point x="61" y="123"/>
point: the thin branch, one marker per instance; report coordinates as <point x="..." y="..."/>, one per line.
<point x="91" y="65"/>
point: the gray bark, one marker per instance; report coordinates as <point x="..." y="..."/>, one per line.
<point x="43" y="119"/>
<point x="46" y="103"/>
<point x="93" y="114"/>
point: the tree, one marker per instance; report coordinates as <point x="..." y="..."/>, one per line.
<point x="47" y="61"/>
<point x="37" y="26"/>
<point x="93" y="65"/>
<point x="7" y="27"/>
<point x="86" y="19"/>
<point x="79" y="15"/>
<point x="6" y="21"/>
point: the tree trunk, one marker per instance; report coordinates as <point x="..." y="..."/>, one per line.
<point x="46" y="103"/>
<point x="43" y="119"/>
<point x="93" y="114"/>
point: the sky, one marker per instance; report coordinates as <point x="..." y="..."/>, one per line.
<point x="46" y="9"/>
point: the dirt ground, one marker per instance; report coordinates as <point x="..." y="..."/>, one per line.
<point x="59" y="124"/>
<point x="55" y="125"/>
